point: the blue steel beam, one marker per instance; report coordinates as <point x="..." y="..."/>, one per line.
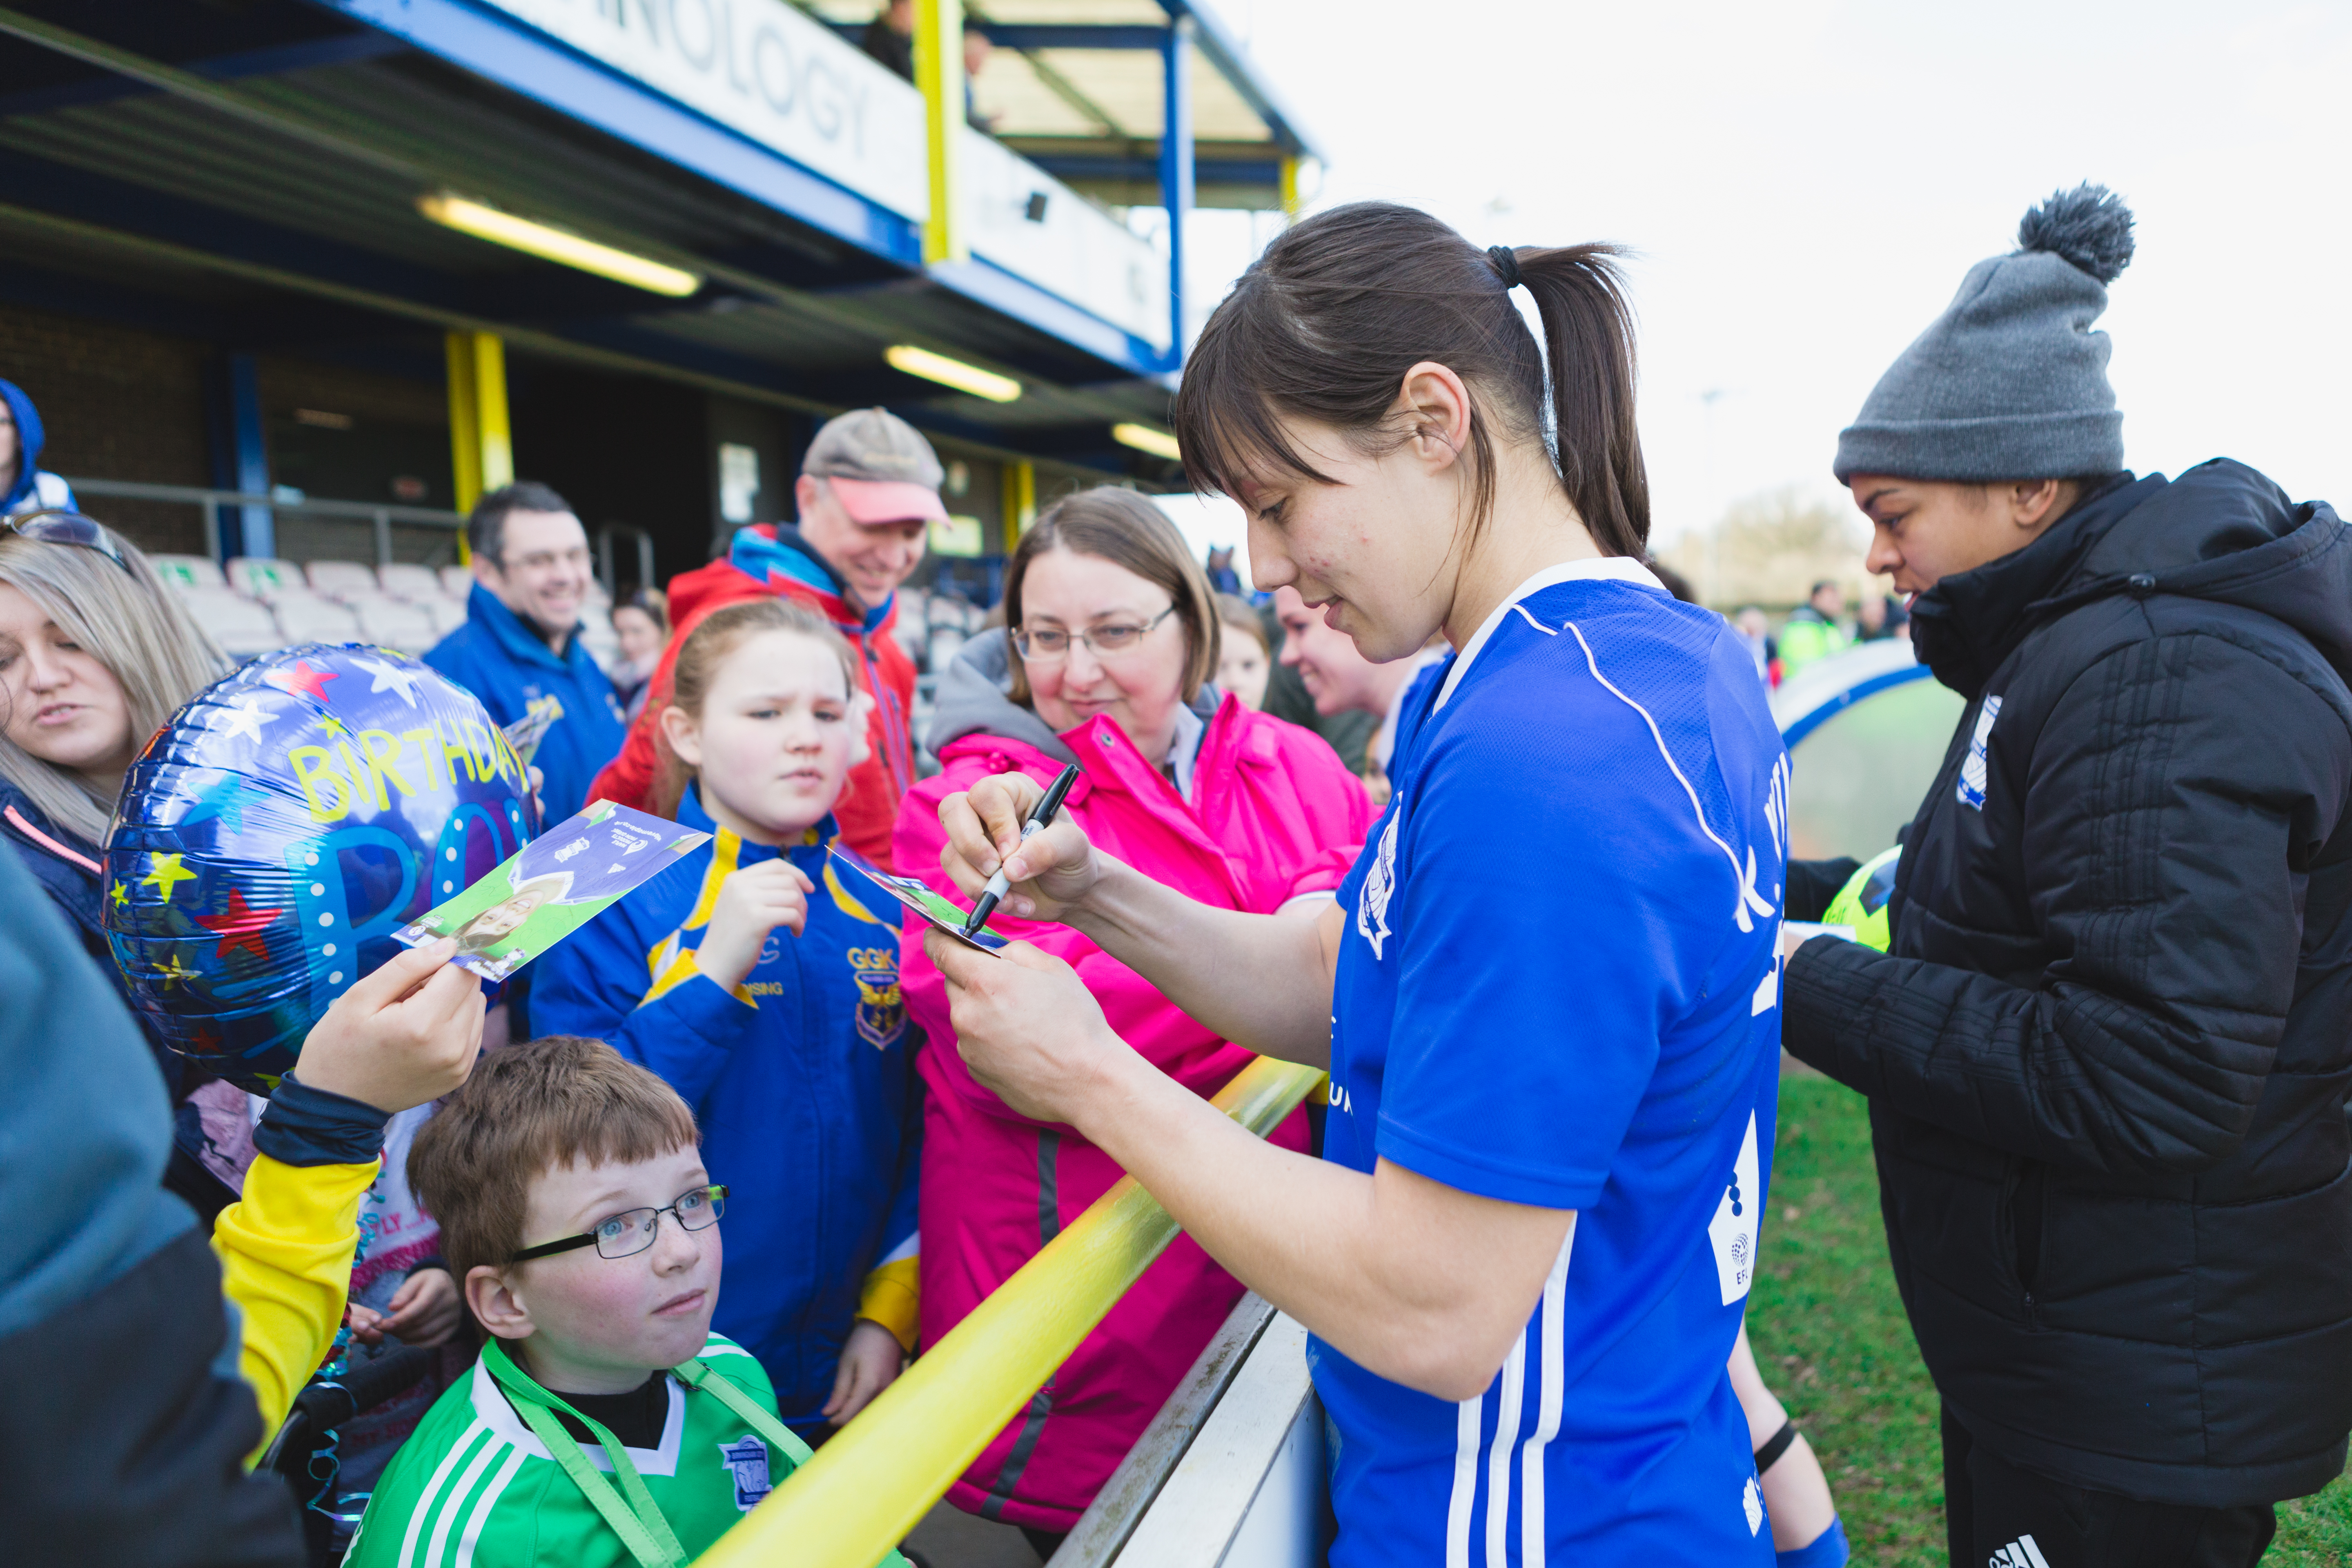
<point x="1232" y="63"/>
<point x="1176" y="171"/>
<point x="1267" y="172"/>
<point x="250" y="455"/>
<point x="1045" y="34"/>
<point x="1216" y="41"/>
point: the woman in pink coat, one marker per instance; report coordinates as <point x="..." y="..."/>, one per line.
<point x="1113" y="635"/>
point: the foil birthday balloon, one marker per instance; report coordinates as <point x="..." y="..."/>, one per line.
<point x="277" y="832"/>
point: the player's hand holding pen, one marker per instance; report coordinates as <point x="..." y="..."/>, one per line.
<point x="1049" y="873"/>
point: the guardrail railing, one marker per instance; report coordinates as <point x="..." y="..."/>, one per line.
<point x="865" y="1489"/>
<point x="211" y="502"/>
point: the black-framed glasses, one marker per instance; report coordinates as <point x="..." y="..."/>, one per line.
<point x="56" y="525"/>
<point x="630" y="1232"/>
<point x="1049" y="643"/>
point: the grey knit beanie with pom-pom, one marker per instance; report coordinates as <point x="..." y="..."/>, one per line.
<point x="2011" y="383"/>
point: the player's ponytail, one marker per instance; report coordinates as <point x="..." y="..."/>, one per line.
<point x="1326" y="323"/>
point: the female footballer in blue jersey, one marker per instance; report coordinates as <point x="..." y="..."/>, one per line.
<point x="1547" y="994"/>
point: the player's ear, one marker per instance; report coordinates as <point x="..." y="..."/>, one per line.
<point x="684" y="735"/>
<point x="491" y="1296"/>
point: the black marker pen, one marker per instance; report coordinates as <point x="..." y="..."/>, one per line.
<point x="999" y="884"/>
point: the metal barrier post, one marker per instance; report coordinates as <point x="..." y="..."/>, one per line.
<point x="869" y="1487"/>
<point x="382" y="537"/>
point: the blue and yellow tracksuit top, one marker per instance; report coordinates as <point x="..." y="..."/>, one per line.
<point x="803" y="1082"/>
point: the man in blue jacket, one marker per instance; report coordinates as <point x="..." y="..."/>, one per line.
<point x="518" y="645"/>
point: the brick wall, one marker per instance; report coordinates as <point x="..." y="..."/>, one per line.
<point x="119" y="403"/>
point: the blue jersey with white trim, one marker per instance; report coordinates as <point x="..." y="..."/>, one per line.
<point x="1560" y="987"/>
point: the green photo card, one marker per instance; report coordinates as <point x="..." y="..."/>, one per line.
<point x="936" y="910"/>
<point x="551" y="887"/>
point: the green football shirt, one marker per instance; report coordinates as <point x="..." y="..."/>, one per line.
<point x="475" y="1487"/>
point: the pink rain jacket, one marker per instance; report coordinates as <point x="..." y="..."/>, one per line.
<point x="1273" y="815"/>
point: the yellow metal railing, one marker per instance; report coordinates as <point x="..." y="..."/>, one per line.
<point x="867" y="1488"/>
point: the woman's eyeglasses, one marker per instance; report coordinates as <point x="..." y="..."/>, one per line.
<point x="630" y="1232"/>
<point x="1049" y="644"/>
<point x="57" y="526"/>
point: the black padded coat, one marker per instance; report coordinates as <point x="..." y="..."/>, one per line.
<point x="2107" y="1056"/>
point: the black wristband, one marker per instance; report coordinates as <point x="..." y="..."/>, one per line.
<point x="306" y="1126"/>
<point x="1775" y="1446"/>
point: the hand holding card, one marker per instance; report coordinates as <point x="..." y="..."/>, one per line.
<point x="919" y="897"/>
<point x="551" y="887"/>
<point x="525" y="732"/>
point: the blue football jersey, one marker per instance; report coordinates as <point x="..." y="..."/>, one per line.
<point x="1559" y="986"/>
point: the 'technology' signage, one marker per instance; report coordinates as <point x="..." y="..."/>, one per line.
<point x="768" y="71"/>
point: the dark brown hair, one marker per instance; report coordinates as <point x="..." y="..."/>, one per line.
<point x="715" y="637"/>
<point x="1326" y="323"/>
<point x="1126" y="529"/>
<point x="527" y="1110"/>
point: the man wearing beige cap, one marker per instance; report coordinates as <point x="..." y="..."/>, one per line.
<point x="868" y="494"/>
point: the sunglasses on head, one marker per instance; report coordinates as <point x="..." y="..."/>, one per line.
<point x="58" y="526"/>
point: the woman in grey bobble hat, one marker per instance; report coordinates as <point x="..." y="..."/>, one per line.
<point x="2109" y="1049"/>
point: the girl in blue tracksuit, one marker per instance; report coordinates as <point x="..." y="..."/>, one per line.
<point x="762" y="982"/>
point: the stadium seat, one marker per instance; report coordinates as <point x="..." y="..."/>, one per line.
<point x="303" y="617"/>
<point x="448" y="615"/>
<point x="407" y="580"/>
<point x="395" y="622"/>
<point x="342" y="579"/>
<point x="457" y="581"/>
<point x="242" y="627"/>
<point x="188" y="571"/>
<point x="265" y="577"/>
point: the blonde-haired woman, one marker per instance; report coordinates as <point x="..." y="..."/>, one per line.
<point x="95" y="654"/>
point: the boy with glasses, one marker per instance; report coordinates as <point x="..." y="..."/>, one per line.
<point x="518" y="645"/>
<point x="574" y="1205"/>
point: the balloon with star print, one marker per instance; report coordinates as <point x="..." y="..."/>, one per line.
<point x="281" y="826"/>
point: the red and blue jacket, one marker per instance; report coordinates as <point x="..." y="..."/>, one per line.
<point x="770" y="559"/>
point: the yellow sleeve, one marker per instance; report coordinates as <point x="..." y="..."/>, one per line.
<point x="893" y="1298"/>
<point x="286" y="1254"/>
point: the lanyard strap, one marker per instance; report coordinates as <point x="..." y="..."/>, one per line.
<point x="698" y="1374"/>
<point x="637" y="1521"/>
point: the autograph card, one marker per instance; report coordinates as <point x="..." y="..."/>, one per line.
<point x="551" y="887"/>
<point x="525" y="732"/>
<point x="920" y="898"/>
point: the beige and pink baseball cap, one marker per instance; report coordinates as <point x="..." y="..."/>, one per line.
<point x="879" y="467"/>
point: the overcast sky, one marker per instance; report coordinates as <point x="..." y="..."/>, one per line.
<point x="1807" y="183"/>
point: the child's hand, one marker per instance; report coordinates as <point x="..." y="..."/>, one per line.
<point x="404" y="1034"/>
<point x="424" y="1309"/>
<point x="753" y="902"/>
<point x="870" y="1362"/>
<point x="365" y="1322"/>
